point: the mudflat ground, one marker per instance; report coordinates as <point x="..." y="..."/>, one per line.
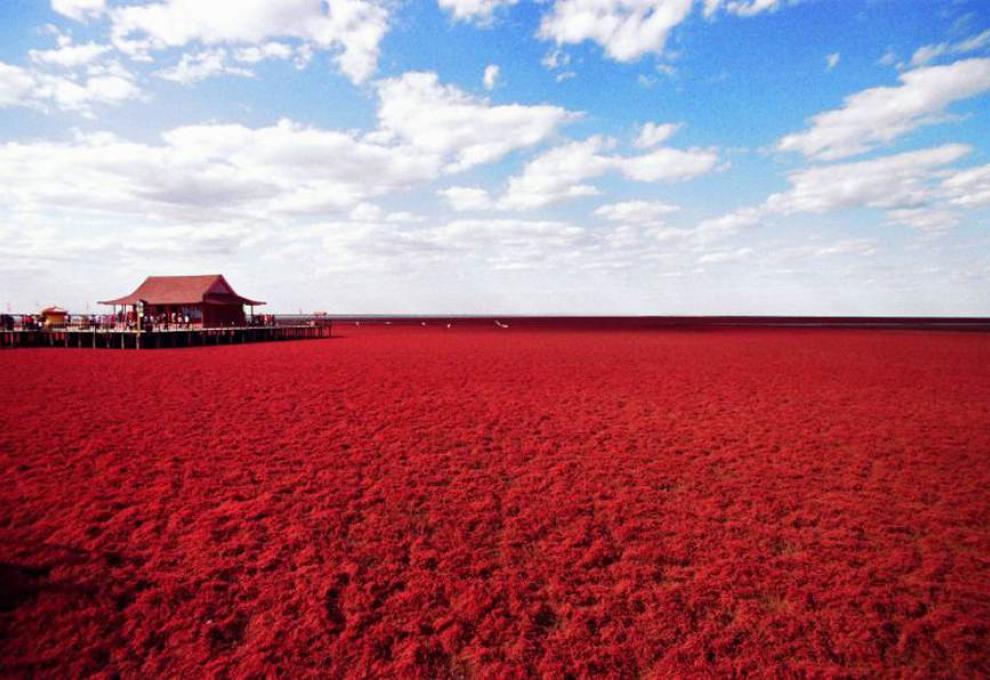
<point x="409" y="501"/>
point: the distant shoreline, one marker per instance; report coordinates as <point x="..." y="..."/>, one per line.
<point x="886" y="322"/>
<point x="961" y="323"/>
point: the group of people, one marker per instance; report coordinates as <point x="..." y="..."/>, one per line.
<point x="25" y="322"/>
<point x="166" y="321"/>
<point x="178" y="321"/>
<point x="122" y="320"/>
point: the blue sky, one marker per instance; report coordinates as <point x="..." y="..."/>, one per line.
<point x="499" y="156"/>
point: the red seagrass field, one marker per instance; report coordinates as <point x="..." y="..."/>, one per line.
<point x="480" y="502"/>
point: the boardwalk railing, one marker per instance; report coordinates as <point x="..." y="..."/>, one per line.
<point x="114" y="338"/>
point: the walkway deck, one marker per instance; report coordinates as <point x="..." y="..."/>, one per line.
<point x="155" y="339"/>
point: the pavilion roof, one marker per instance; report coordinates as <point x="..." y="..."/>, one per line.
<point x="183" y="290"/>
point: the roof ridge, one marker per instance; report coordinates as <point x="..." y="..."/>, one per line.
<point x="179" y="289"/>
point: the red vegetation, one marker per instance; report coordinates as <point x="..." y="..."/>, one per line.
<point x="408" y="501"/>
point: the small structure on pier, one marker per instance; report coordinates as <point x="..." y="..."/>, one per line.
<point x="207" y="301"/>
<point x="54" y="316"/>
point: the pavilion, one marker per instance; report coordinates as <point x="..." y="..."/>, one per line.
<point x="207" y="300"/>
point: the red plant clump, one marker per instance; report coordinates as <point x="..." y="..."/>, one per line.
<point x="403" y="501"/>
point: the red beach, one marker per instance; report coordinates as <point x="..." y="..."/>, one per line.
<point x="476" y="501"/>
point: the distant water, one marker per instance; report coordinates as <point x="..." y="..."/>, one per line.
<point x="645" y="322"/>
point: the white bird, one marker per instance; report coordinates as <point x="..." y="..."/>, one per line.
<point x="448" y="324"/>
<point x="500" y="324"/>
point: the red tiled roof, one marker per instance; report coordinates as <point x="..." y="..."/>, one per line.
<point x="183" y="290"/>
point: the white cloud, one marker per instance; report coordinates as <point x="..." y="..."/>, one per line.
<point x="352" y="29"/>
<point x="304" y="54"/>
<point x="636" y="212"/>
<point x="465" y="130"/>
<point x="832" y="60"/>
<point x="723" y="256"/>
<point x="215" y="172"/>
<point x="367" y="212"/>
<point x="927" y="53"/>
<point x="368" y="240"/>
<point x="478" y="11"/>
<point x="717" y="228"/>
<point x="558" y="59"/>
<point x="972" y="43"/>
<point x="42" y="244"/>
<point x="497" y="244"/>
<point x="862" y="247"/>
<point x="652" y="134"/>
<point x="927" y="219"/>
<point x="668" y="165"/>
<point x="511" y="244"/>
<point x="491" y="76"/>
<point x="914" y="189"/>
<point x="269" y="50"/>
<point x="207" y="173"/>
<point x="629" y="29"/>
<point x="31" y="88"/>
<point x="711" y="6"/>
<point x="17" y="85"/>
<point x="968" y="188"/>
<point x="624" y="242"/>
<point x="891" y="182"/>
<point x="853" y="246"/>
<point x="404" y="216"/>
<point x="889" y="58"/>
<point x="626" y="29"/>
<point x="466" y="198"/>
<point x="68" y="55"/>
<point x="751" y="8"/>
<point x="555" y="58"/>
<point x="560" y="174"/>
<point x="196" y="66"/>
<point x="80" y="10"/>
<point x="505" y="233"/>
<point x="881" y="114"/>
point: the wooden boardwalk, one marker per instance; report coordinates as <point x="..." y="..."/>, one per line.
<point x="159" y="338"/>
